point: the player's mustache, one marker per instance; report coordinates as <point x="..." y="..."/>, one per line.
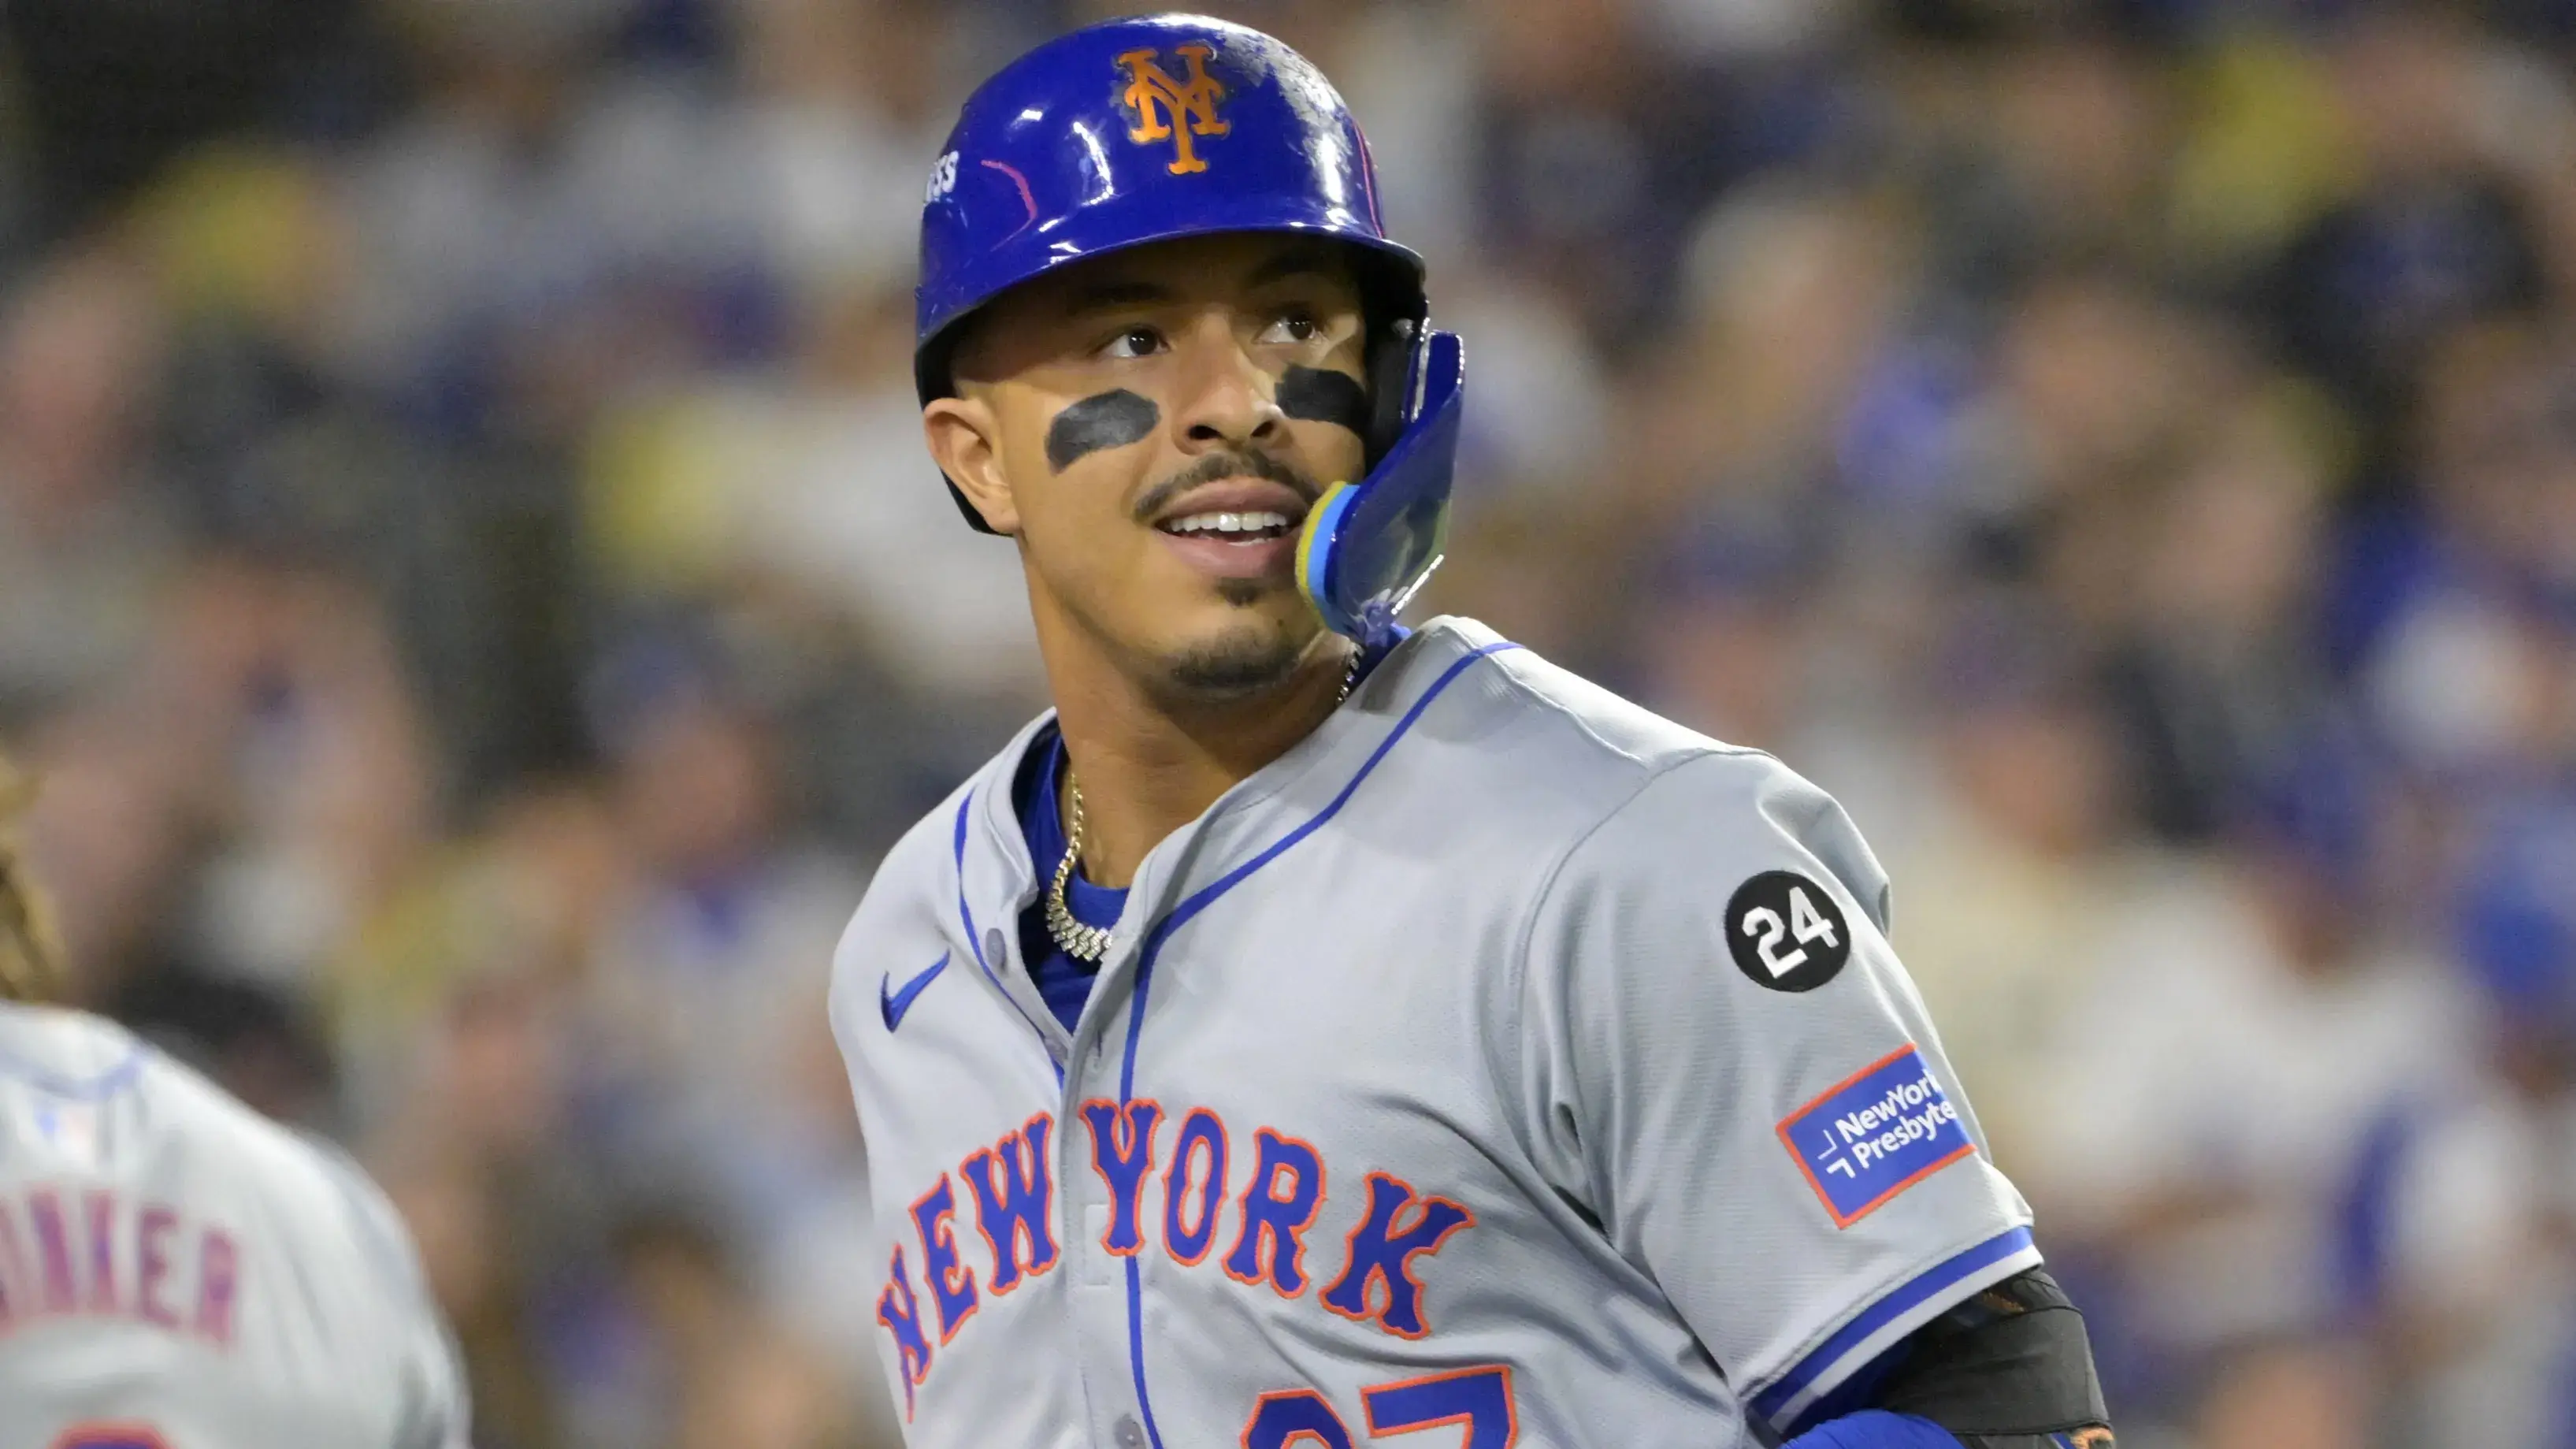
<point x="1216" y="468"/>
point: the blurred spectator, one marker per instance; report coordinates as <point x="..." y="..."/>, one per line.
<point x="845" y="112"/>
<point x="815" y="481"/>
<point x="2462" y="663"/>
<point x="727" y="1375"/>
<point x="2435" y="234"/>
<point x="2471" y="1199"/>
<point x="2213" y="664"/>
<point x="716" y="955"/>
<point x="84" y="542"/>
<point x="2243" y="1037"/>
<point x="2009" y="859"/>
<point x="107" y="93"/>
<point x="1595" y="154"/>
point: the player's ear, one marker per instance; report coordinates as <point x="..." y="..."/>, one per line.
<point x="964" y="438"/>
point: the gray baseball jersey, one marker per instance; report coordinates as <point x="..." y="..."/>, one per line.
<point x="179" y="1272"/>
<point x="1503" y="1063"/>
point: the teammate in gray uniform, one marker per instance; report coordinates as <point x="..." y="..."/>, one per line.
<point x="1318" y="1036"/>
<point x="178" y="1272"/>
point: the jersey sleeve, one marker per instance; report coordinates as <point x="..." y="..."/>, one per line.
<point x="1724" y="1064"/>
<point x="435" y="1410"/>
<point x="439" y="1415"/>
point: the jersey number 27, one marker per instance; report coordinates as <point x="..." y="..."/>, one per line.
<point x="1480" y="1399"/>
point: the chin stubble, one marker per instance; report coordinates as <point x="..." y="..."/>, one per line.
<point x="1239" y="663"/>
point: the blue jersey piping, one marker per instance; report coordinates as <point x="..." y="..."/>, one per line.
<point x="975" y="944"/>
<point x="1179" y="916"/>
<point x="97" y="1088"/>
<point x="1912" y="1294"/>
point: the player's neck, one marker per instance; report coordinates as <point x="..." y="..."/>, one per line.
<point x="1149" y="765"/>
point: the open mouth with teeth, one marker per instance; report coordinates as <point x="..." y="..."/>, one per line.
<point x="1259" y="527"/>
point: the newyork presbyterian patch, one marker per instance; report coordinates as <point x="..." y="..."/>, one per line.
<point x="1878" y="1132"/>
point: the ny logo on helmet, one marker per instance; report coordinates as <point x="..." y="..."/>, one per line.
<point x="1164" y="109"/>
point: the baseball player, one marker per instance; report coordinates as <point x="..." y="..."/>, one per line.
<point x="178" y="1272"/>
<point x="1316" y="1032"/>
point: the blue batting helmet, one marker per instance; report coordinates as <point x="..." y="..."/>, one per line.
<point x="1151" y="129"/>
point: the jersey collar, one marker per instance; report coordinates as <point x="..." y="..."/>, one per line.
<point x="1000" y="880"/>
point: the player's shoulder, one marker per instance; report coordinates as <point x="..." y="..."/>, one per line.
<point x="178" y="1127"/>
<point x="1544" y="736"/>
<point x="60" y="1052"/>
<point x="1616" y="789"/>
<point x="1556" y="725"/>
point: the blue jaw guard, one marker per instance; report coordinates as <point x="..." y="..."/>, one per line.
<point x="1366" y="547"/>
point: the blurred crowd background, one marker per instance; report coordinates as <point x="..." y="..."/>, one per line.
<point x="474" y="595"/>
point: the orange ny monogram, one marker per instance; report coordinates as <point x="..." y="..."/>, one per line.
<point x="1171" y="110"/>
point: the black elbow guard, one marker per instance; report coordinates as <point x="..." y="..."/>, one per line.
<point x="2008" y="1369"/>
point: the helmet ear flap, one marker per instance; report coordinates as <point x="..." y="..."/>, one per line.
<point x="1394" y="313"/>
<point x="1367" y="546"/>
<point x="1390" y="375"/>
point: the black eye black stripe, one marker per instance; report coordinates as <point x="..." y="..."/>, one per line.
<point x="1116" y="419"/>
<point x="1103" y="420"/>
<point x="1317" y="395"/>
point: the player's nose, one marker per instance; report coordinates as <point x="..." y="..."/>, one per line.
<point x="1231" y="403"/>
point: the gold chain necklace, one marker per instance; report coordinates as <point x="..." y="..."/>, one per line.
<point x="1090" y="944"/>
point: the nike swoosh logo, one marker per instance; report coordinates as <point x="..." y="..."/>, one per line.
<point x="895" y="1003"/>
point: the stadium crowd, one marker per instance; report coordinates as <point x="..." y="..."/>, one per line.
<point x="474" y="595"/>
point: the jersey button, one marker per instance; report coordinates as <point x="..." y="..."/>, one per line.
<point x="1131" y="1435"/>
